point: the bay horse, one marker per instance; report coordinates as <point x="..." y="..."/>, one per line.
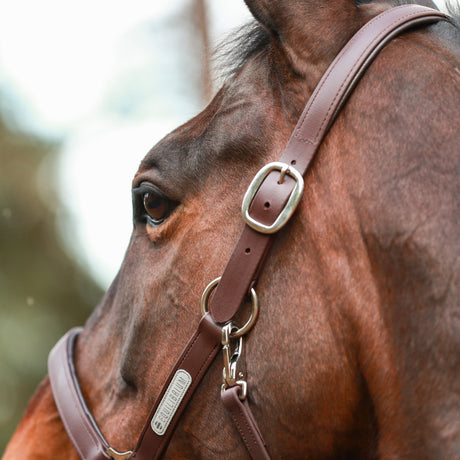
<point x="356" y="353"/>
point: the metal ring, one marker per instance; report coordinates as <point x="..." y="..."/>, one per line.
<point x="254" y="313"/>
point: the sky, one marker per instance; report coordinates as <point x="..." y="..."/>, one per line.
<point x="108" y="79"/>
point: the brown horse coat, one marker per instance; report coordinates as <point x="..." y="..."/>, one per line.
<point x="356" y="353"/>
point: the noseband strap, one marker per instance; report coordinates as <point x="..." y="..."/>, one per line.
<point x="245" y="264"/>
<point x="76" y="417"/>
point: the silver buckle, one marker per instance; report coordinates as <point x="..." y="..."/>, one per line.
<point x="291" y="205"/>
<point x="115" y="455"/>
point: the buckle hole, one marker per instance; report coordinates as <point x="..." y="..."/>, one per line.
<point x="267" y="205"/>
<point x="248" y="251"/>
<point x="293" y="162"/>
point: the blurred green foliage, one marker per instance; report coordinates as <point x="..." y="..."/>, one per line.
<point x="43" y="292"/>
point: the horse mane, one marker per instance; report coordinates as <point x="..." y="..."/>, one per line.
<point x="252" y="38"/>
<point x="239" y="46"/>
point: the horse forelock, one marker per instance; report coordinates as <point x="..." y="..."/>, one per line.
<point x="232" y="53"/>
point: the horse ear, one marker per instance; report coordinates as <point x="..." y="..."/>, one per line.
<point x="305" y="29"/>
<point x="260" y="10"/>
<point x="270" y="13"/>
<point x="279" y="15"/>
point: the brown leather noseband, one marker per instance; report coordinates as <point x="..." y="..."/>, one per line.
<point x="267" y="207"/>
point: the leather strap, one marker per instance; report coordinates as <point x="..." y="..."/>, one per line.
<point x="245" y="423"/>
<point x="80" y="424"/>
<point x="76" y="417"/>
<point x="243" y="268"/>
<point x="195" y="360"/>
<point x="246" y="261"/>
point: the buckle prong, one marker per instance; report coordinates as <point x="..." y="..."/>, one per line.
<point x="283" y="174"/>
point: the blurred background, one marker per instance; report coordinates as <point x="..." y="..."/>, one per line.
<point x="85" y="91"/>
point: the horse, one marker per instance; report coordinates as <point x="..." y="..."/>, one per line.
<point x="356" y="352"/>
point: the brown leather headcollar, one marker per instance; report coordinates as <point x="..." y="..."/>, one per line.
<point x="277" y="185"/>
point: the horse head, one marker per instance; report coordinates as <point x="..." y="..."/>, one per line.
<point x="356" y="351"/>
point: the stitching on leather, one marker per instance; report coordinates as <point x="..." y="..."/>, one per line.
<point x="342" y="53"/>
<point x="318" y="90"/>
<point x="301" y="139"/>
<point x="156" y="406"/>
<point x="200" y="371"/>
<point x="356" y="63"/>
<point x="185" y="400"/>
<point x="354" y="67"/>
<point x="179" y="364"/>
<point x="188" y="350"/>
<point x="64" y="421"/>
<point x="69" y="378"/>
<point x="236" y="420"/>
<point x="207" y="359"/>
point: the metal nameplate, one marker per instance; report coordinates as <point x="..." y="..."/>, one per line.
<point x="171" y="401"/>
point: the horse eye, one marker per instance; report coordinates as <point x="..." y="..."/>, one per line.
<point x="151" y="205"/>
<point x="156" y="206"/>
